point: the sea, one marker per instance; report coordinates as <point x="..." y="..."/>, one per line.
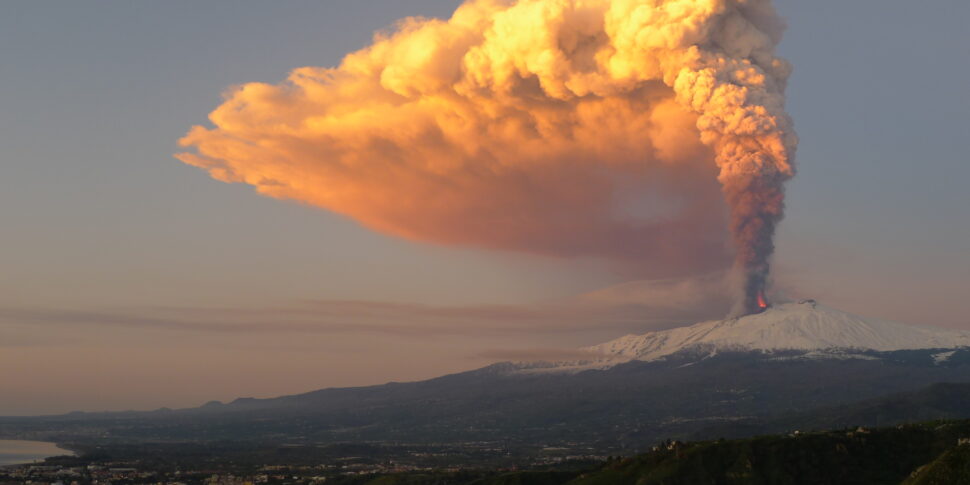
<point x="15" y="452"/>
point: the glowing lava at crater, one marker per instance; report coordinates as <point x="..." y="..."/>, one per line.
<point x="762" y="302"/>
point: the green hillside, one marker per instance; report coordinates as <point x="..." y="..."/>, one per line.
<point x="919" y="454"/>
<point x="953" y="467"/>
<point x="880" y="456"/>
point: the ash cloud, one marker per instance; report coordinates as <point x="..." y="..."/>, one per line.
<point x="647" y="132"/>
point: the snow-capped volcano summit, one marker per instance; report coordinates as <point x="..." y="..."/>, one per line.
<point x="805" y="326"/>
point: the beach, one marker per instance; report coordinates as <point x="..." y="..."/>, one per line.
<point x="13" y="452"/>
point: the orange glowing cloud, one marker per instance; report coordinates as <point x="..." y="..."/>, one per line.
<point x="565" y="127"/>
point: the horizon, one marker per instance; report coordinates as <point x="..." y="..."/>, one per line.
<point x="575" y="359"/>
<point x="134" y="281"/>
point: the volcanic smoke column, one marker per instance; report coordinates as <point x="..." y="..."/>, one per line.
<point x="736" y="85"/>
<point x="519" y="124"/>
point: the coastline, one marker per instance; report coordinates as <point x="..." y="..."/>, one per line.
<point x="27" y="452"/>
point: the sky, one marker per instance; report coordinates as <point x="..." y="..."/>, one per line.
<point x="133" y="281"/>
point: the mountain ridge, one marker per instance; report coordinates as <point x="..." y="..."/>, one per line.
<point x="805" y="325"/>
<point x="805" y="329"/>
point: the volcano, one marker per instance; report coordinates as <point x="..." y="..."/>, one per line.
<point x="806" y="326"/>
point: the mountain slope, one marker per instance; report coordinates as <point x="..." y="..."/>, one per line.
<point x="621" y="408"/>
<point x="953" y="467"/>
<point x="939" y="401"/>
<point x="805" y="326"/>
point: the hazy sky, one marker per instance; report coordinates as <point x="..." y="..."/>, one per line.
<point x="130" y="280"/>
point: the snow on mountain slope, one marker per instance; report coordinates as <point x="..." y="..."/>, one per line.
<point x="791" y="326"/>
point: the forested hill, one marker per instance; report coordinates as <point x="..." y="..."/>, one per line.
<point x="920" y="454"/>
<point x="851" y="456"/>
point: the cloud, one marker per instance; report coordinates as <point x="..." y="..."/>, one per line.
<point x="12" y="339"/>
<point x="631" y="307"/>
<point x="150" y="356"/>
<point x="574" y="128"/>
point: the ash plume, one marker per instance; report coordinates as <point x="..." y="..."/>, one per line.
<point x="536" y="125"/>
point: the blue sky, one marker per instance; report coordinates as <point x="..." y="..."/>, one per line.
<point x="97" y="215"/>
<point x="878" y="215"/>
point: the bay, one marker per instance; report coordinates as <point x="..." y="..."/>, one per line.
<point x="14" y="452"/>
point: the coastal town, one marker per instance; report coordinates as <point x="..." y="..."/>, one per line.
<point x="166" y="468"/>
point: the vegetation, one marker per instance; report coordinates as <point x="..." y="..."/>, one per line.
<point x="858" y="456"/>
<point x="929" y="453"/>
<point x="932" y="452"/>
<point x="950" y="468"/>
<point x="920" y="454"/>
